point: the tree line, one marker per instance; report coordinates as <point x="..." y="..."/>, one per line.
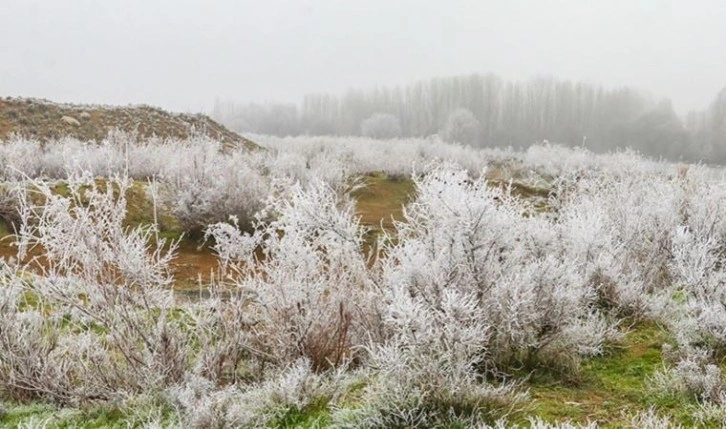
<point x="486" y="110"/>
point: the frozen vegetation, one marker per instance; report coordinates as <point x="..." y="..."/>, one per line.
<point x="506" y="265"/>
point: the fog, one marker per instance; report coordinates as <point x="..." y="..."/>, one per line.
<point x="182" y="54"/>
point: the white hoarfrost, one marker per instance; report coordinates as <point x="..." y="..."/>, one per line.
<point x="504" y="264"/>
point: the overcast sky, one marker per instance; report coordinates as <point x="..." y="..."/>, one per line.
<point x="181" y="54"/>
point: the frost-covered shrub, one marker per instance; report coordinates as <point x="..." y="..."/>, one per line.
<point x="83" y="234"/>
<point x="620" y="232"/>
<point x="398" y="158"/>
<point x="92" y="317"/>
<point x="434" y="383"/>
<point x="19" y="157"/>
<point x="652" y="420"/>
<point x="538" y="423"/>
<point x="206" y="187"/>
<point x="294" y="389"/>
<point x="33" y="357"/>
<point x="698" y="321"/>
<point x="471" y="267"/>
<point x="642" y="420"/>
<point x="310" y="294"/>
<point x="694" y="377"/>
<point x="198" y="183"/>
<point x="478" y="286"/>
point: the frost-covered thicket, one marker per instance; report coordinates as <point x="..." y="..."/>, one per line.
<point x="440" y="322"/>
<point x="86" y="306"/>
<point x="200" y="182"/>
<point x="479" y="257"/>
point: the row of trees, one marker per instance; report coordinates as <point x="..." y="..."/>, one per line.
<point x="485" y="110"/>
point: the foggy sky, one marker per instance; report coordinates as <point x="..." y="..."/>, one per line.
<point x="181" y="54"/>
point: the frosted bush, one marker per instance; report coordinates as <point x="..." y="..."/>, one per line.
<point x="471" y="244"/>
<point x="300" y="157"/>
<point x="311" y="293"/>
<point x="83" y="234"/>
<point x="428" y="384"/>
<point x="538" y="423"/>
<point x="461" y="127"/>
<point x="200" y="404"/>
<point x="20" y="157"/>
<point x="650" y="420"/>
<point x="205" y="186"/>
<point x="621" y="233"/>
<point x="643" y="420"/>
<point x="96" y="322"/>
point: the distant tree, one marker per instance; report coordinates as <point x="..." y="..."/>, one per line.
<point x="696" y="124"/>
<point x="659" y="132"/>
<point x="461" y="127"/>
<point x="381" y="126"/>
<point x="501" y="113"/>
<point x="279" y="120"/>
<point x="717" y="114"/>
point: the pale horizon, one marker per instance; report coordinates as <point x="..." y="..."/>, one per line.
<point x="182" y="55"/>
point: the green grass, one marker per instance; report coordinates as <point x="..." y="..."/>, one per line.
<point x="57" y="418"/>
<point x="134" y="413"/>
<point x="612" y="386"/>
<point x="315" y="415"/>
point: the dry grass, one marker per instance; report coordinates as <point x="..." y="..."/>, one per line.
<point x="382" y="200"/>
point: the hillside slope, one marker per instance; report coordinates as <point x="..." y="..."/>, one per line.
<point x="44" y="120"/>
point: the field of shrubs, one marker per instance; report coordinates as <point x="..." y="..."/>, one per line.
<point x="549" y="288"/>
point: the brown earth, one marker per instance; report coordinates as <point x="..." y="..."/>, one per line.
<point x="45" y="120"/>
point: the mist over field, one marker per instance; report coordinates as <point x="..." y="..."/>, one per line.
<point x="487" y="111"/>
<point x="400" y="214"/>
<point x="646" y="74"/>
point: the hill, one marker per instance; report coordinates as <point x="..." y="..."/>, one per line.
<point x="45" y="120"/>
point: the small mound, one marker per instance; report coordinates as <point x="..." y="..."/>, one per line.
<point x="45" y="120"/>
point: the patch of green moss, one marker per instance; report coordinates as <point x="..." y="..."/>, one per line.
<point x="613" y="386"/>
<point x="31" y="301"/>
<point x="315" y="415"/>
